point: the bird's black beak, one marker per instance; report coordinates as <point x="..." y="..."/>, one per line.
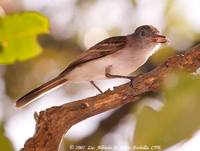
<point x="159" y="39"/>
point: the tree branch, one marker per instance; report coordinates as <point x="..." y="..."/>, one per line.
<point x="105" y="126"/>
<point x="54" y="122"/>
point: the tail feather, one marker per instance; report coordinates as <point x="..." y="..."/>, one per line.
<point x="40" y="91"/>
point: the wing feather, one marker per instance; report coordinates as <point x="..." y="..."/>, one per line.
<point x="101" y="49"/>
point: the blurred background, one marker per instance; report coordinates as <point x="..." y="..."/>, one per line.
<point x="75" y="26"/>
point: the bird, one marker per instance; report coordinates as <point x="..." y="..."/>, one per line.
<point x="114" y="57"/>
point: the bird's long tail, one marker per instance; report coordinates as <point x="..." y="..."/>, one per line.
<point x="40" y="91"/>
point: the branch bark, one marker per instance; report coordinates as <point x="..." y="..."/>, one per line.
<point x="105" y="126"/>
<point x="54" y="122"/>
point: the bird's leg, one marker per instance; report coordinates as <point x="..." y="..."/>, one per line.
<point x="92" y="82"/>
<point x="109" y="75"/>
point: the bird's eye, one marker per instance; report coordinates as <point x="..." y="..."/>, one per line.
<point x="142" y="33"/>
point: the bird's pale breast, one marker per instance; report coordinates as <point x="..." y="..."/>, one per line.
<point x="123" y="62"/>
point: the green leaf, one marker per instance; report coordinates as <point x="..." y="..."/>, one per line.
<point x="18" y="36"/>
<point x="176" y="120"/>
<point x="5" y="143"/>
<point x="21" y="77"/>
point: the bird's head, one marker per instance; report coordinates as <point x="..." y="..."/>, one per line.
<point x="148" y="33"/>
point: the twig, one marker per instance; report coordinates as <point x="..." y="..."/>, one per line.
<point x="54" y="122"/>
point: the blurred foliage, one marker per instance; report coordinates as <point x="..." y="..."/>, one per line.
<point x="18" y="36"/>
<point x="176" y="21"/>
<point x="161" y="55"/>
<point x="81" y="2"/>
<point x="177" y="27"/>
<point x="22" y="77"/>
<point x="134" y="2"/>
<point x="106" y="126"/>
<point x="5" y="144"/>
<point x="168" y="6"/>
<point x="165" y="127"/>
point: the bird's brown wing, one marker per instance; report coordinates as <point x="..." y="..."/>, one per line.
<point x="101" y="49"/>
